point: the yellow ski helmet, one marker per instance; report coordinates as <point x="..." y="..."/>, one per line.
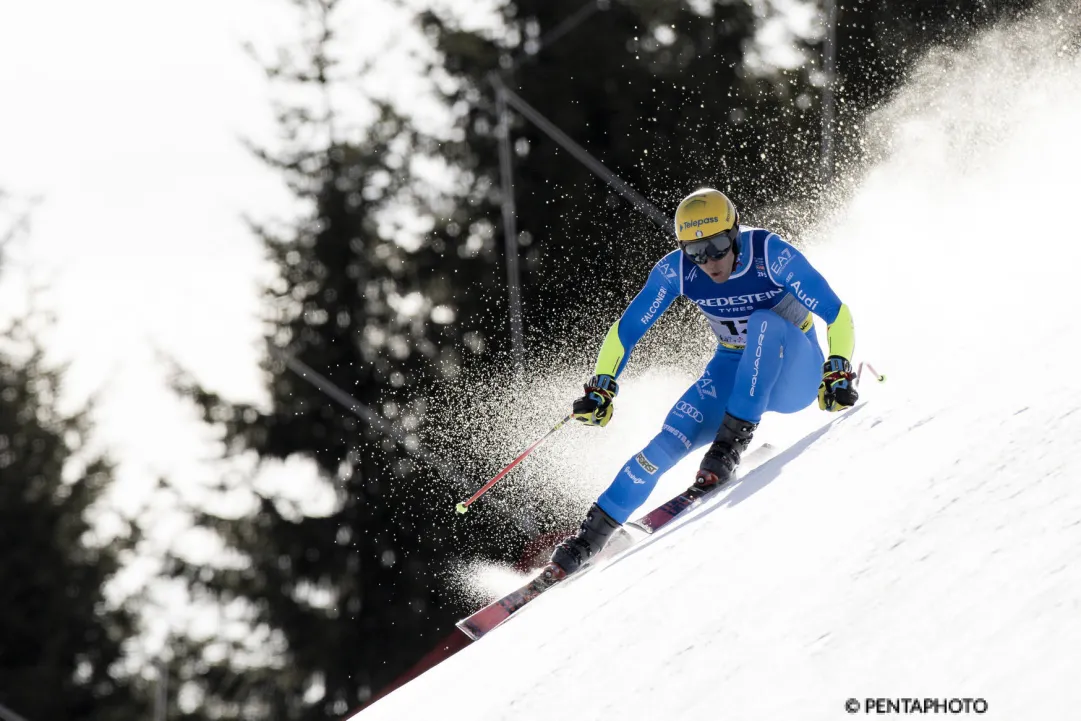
<point x="703" y="214"/>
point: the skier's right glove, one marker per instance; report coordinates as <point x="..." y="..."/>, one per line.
<point x="595" y="407"/>
<point x="837" y="390"/>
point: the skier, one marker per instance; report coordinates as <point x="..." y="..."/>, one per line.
<point x="758" y="293"/>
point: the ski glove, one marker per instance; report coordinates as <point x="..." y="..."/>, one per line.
<point x="595" y="407"/>
<point x="838" y="389"/>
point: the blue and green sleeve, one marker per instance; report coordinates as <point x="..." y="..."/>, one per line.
<point x="790" y="268"/>
<point x="660" y="290"/>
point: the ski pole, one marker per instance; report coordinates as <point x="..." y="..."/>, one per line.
<point x="880" y="377"/>
<point x="464" y="505"/>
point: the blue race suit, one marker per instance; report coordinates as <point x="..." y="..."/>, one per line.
<point x="767" y="358"/>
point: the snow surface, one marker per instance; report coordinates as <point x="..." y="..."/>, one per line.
<point x="926" y="544"/>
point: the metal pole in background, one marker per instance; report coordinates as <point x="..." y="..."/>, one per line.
<point x="506" y="97"/>
<point x="506" y="169"/>
<point x="387" y="429"/>
<point x="8" y="715"/>
<point x="582" y="156"/>
<point x="161" y="693"/>
<point x="510" y="227"/>
<point x="829" y="69"/>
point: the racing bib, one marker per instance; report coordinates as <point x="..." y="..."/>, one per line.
<point x="732" y="332"/>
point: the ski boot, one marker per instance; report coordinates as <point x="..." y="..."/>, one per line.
<point x="575" y="551"/>
<point x="719" y="464"/>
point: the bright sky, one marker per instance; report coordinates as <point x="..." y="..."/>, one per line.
<point x="124" y="117"/>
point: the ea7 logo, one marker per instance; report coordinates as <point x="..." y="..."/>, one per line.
<point x="706" y="387"/>
<point x="667" y="271"/>
<point x="781" y="261"/>
<point x="688" y="410"/>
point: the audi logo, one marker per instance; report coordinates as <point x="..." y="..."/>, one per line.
<point x="687" y="409"/>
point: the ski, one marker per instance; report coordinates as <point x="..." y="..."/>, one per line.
<point x="498" y="611"/>
<point x="667" y="512"/>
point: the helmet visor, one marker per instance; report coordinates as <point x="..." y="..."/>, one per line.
<point x="715" y="247"/>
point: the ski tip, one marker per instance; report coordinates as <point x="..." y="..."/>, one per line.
<point x="468" y="629"/>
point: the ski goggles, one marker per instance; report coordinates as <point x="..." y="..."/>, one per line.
<point x="715" y="247"/>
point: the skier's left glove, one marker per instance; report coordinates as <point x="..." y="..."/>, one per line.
<point x="838" y="388"/>
<point x="595" y="407"/>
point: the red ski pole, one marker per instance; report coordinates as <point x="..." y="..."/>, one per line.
<point x="880" y="377"/>
<point x="464" y="505"/>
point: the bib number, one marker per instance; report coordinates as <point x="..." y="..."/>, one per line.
<point x="731" y="332"/>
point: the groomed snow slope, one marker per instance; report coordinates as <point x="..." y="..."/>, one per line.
<point x="926" y="544"/>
